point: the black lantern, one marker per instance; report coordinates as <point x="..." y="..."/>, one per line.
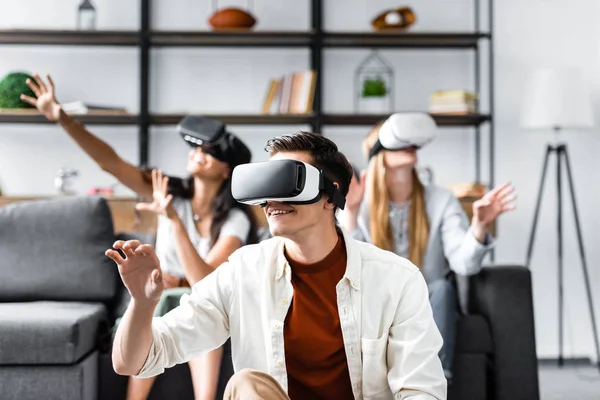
<point x="86" y="16"/>
<point x="374" y="85"/>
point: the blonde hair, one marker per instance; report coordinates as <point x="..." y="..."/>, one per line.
<point x="377" y="195"/>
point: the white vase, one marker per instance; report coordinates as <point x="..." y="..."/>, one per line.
<point x="374" y="105"/>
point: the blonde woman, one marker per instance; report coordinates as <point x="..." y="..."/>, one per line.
<point x="425" y="224"/>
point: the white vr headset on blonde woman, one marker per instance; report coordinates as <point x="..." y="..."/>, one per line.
<point x="405" y="130"/>
<point x="286" y="181"/>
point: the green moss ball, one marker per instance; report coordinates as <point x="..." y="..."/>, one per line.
<point x="12" y="86"/>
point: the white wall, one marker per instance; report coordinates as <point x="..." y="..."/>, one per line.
<point x="529" y="34"/>
<point x="520" y="49"/>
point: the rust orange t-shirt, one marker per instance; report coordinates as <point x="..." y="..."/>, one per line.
<point x="314" y="347"/>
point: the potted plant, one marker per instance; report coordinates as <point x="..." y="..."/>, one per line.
<point x="374" y="96"/>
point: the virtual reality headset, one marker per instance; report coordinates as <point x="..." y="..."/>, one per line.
<point x="213" y="137"/>
<point x="405" y="130"/>
<point x="289" y="181"/>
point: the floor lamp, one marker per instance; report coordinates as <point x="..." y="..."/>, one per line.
<point x="558" y="99"/>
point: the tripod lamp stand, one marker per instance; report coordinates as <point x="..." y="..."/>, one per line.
<point x="558" y="99"/>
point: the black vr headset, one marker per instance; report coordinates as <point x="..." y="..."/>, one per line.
<point x="405" y="130"/>
<point x="289" y="181"/>
<point x="213" y="137"/>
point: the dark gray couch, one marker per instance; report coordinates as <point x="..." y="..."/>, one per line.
<point x="495" y="354"/>
<point x="59" y="296"/>
<point x="56" y="293"/>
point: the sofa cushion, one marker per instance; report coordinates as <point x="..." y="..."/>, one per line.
<point x="54" y="250"/>
<point x="471" y="377"/>
<point x="51" y="382"/>
<point x="47" y="332"/>
<point x="473" y="335"/>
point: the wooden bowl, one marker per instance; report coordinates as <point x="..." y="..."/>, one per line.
<point x="400" y="18"/>
<point x="231" y="18"/>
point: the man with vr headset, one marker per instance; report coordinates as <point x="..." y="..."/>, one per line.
<point x="311" y="313"/>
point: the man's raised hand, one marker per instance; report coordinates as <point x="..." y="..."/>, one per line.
<point x="139" y="270"/>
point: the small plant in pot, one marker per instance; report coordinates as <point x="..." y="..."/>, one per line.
<point x="374" y="96"/>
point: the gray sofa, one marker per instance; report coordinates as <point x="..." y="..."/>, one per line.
<point x="56" y="295"/>
<point x="59" y="297"/>
<point x="495" y="355"/>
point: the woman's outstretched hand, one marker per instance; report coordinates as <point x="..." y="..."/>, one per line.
<point x="45" y="102"/>
<point x="161" y="201"/>
<point x="356" y="192"/>
<point x="494" y="203"/>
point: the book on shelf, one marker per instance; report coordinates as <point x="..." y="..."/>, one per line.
<point x="79" y="107"/>
<point x="292" y="93"/>
<point x="453" y="102"/>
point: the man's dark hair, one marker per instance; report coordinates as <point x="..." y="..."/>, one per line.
<point x="324" y="153"/>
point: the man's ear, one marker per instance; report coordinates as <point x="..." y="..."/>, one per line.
<point x="329" y="204"/>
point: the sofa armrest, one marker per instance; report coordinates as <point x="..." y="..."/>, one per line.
<point x="144" y="238"/>
<point x="503" y="295"/>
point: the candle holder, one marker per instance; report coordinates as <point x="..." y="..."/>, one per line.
<point x="373" y="85"/>
<point x="86" y="16"/>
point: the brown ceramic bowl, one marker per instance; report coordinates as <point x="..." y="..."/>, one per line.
<point x="231" y="18"/>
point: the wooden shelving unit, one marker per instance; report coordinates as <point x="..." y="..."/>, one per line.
<point x="69" y="38"/>
<point x="316" y="39"/>
<point x="231" y="39"/>
<point x="32" y="116"/>
<point x="240" y="119"/>
<point x="440" y="119"/>
<point x="96" y="118"/>
<point x="438" y="40"/>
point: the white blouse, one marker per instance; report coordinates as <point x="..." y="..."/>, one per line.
<point x="237" y="224"/>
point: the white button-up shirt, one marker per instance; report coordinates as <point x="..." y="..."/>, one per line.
<point x="390" y="337"/>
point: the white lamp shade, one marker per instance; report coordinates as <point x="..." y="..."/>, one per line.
<point x="557" y="98"/>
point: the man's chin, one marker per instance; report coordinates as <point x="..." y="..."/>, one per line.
<point x="277" y="230"/>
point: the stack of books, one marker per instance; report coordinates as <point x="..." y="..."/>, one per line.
<point x="292" y="93"/>
<point x="453" y="102"/>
